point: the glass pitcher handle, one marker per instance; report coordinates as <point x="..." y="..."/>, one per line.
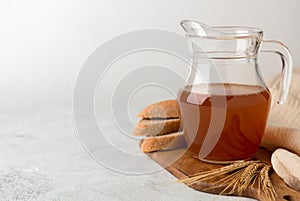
<point x="279" y="48"/>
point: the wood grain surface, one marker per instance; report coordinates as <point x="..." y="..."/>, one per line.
<point x="187" y="165"/>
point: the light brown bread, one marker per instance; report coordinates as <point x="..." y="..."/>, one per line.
<point x="165" y="109"/>
<point x="287" y="166"/>
<point x="153" y="127"/>
<point x="163" y="142"/>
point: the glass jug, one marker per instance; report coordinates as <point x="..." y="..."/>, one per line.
<point x="225" y="102"/>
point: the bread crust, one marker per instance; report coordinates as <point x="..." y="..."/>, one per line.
<point x="164" y="142"/>
<point x="164" y="109"/>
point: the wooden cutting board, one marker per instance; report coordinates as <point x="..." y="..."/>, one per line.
<point x="187" y="165"/>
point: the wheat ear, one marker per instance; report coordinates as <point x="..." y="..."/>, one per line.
<point x="240" y="176"/>
<point x="266" y="184"/>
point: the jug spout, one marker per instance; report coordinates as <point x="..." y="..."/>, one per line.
<point x="195" y="28"/>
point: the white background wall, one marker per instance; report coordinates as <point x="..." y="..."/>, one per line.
<point x="44" y="43"/>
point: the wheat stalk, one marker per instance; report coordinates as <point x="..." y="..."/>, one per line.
<point x="238" y="177"/>
<point x="266" y="183"/>
<point x="207" y="175"/>
<point x="248" y="176"/>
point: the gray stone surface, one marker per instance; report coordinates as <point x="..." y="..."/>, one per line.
<point x="41" y="158"/>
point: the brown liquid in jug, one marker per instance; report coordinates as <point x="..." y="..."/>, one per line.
<point x="245" y="109"/>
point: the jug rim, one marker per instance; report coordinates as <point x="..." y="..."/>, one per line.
<point x="233" y="32"/>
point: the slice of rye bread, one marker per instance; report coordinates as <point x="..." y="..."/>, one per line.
<point x="163" y="142"/>
<point x="153" y="127"/>
<point x="165" y="109"/>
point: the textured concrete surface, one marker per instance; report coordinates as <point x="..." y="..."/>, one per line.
<point x="41" y="158"/>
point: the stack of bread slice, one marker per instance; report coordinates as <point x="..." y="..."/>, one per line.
<point x="160" y="124"/>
